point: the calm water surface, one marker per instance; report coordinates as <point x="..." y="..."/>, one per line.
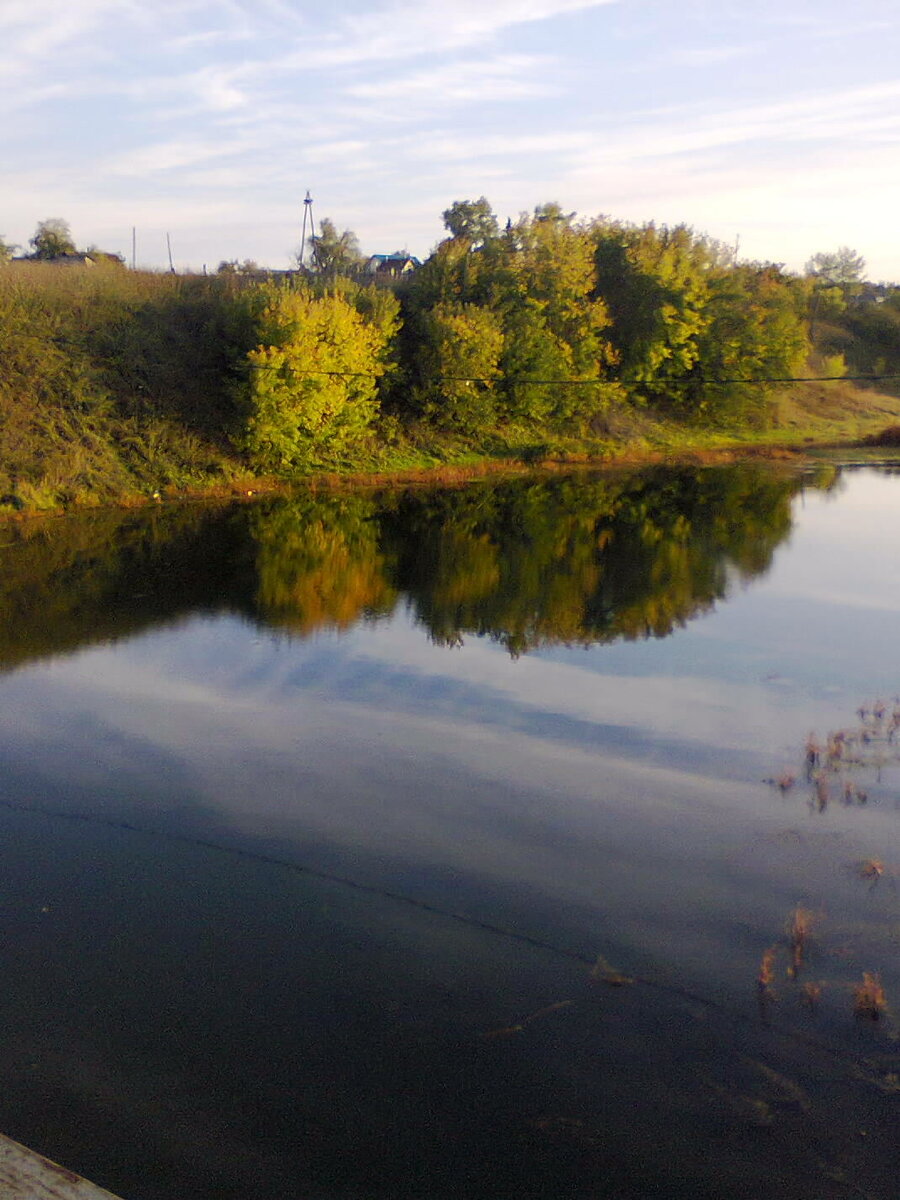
<point x="418" y="845"/>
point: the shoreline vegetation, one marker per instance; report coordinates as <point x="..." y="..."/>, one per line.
<point x="548" y="344"/>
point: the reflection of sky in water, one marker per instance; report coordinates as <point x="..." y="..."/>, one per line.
<point x="607" y="799"/>
<point x="468" y="759"/>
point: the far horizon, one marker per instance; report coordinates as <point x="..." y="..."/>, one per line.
<point x="209" y="122"/>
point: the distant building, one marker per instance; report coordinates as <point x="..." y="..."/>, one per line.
<point x="873" y="293"/>
<point x="391" y="266"/>
<point x="77" y="259"/>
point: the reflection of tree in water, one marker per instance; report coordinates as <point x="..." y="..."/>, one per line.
<point x="585" y="559"/>
<point x="100" y="576"/>
<point x="319" y="564"/>
<point x="531" y="562"/>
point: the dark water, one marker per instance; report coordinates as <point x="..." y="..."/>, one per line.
<point x="417" y="845"/>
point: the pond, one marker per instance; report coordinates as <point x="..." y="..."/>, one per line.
<point x="529" y="838"/>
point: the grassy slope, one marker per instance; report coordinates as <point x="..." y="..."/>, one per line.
<point x="840" y="410"/>
<point x="810" y="417"/>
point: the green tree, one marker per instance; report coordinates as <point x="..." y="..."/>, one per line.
<point x="471" y="221"/>
<point x="552" y="213"/>
<point x="532" y="353"/>
<point x="51" y="239"/>
<point x="231" y="266"/>
<point x="335" y="253"/>
<point x="655" y="282"/>
<point x="871" y="341"/>
<point x="755" y="331"/>
<point x="839" y="268"/>
<point x="535" y="285"/>
<point x="460" y="354"/>
<point x="555" y="327"/>
<point x="7" y="249"/>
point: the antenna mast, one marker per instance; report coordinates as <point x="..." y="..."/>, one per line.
<point x="308" y="215"/>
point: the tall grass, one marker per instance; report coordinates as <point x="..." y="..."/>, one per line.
<point x="113" y="383"/>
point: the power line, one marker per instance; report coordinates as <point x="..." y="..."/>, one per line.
<point x="583" y="382"/>
<point x="682" y="381"/>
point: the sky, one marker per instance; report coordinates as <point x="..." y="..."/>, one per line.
<point x="770" y="124"/>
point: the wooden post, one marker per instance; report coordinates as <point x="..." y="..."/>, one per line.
<point x="25" y="1175"/>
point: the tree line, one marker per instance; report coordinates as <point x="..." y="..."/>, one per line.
<point x="546" y="326"/>
<point x="505" y="337"/>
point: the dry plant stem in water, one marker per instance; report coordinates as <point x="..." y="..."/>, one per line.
<point x="869" y="999"/>
<point x="519" y="1027"/>
<point x="604" y="973"/>
<point x="766" y="976"/>
<point x="870" y="868"/>
<point x="810" y="995"/>
<point x="799" y="928"/>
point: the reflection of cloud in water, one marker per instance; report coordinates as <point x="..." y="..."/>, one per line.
<point x="441" y="795"/>
<point x="391" y="668"/>
<point x="353" y="716"/>
<point x="844" y="550"/>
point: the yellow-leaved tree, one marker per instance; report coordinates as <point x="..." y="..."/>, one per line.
<point x="311" y="395"/>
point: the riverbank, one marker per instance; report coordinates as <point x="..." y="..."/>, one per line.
<point x="128" y="388"/>
<point x="811" y="422"/>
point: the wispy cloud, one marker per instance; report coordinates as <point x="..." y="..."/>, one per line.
<point x="204" y="39"/>
<point x="816" y="116"/>
<point x="172" y="155"/>
<point x="507" y="77"/>
<point x="709" y="56"/>
<point x="224" y="111"/>
<point x="439" y="147"/>
<point x="33" y="34"/>
<point x="396" y="31"/>
<point x="216" y="88"/>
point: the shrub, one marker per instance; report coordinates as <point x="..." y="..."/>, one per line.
<point x="311" y="393"/>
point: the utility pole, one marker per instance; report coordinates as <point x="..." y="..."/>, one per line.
<point x="307" y="215"/>
<point x="169" y="246"/>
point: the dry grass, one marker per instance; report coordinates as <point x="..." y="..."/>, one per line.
<point x="851" y="411"/>
<point x="520" y="1026"/>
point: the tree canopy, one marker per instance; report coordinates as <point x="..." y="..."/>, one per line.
<point x="335" y="253"/>
<point x="52" y="238"/>
<point x="232" y="266"/>
<point x="837" y="267"/>
<point x="471" y="221"/>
